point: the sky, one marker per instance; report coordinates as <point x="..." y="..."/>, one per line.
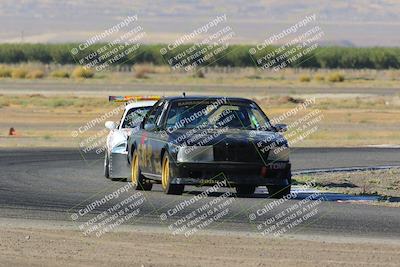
<point x="346" y="23"/>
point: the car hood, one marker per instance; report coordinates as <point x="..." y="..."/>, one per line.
<point x="207" y="137"/>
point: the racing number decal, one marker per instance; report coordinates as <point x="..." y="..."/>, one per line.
<point x="146" y="150"/>
<point x="148" y="154"/>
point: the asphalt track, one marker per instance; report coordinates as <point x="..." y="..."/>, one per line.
<point x="104" y="89"/>
<point x="56" y="184"/>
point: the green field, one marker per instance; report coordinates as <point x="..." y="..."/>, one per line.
<point x="234" y="56"/>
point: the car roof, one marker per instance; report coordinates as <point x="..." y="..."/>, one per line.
<point x="138" y="104"/>
<point x="196" y="97"/>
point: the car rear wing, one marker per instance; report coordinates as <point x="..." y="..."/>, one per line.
<point x="114" y="98"/>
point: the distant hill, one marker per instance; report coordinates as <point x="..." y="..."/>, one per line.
<point x="347" y="22"/>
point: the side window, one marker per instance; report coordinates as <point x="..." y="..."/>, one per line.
<point x="134" y="116"/>
<point x="154" y="114"/>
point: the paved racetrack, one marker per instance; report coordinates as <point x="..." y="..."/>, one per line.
<point x="104" y="89"/>
<point x="53" y="184"/>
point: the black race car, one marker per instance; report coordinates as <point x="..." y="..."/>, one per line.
<point x="208" y="140"/>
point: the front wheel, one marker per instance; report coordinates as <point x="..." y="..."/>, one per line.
<point x="168" y="188"/>
<point x="139" y="182"/>
<point x="278" y="191"/>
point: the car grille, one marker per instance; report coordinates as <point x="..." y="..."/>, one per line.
<point x="238" y="152"/>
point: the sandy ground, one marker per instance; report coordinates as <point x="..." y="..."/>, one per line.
<point x="46" y="122"/>
<point x="384" y="183"/>
<point x="28" y="243"/>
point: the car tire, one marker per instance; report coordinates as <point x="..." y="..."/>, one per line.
<point x="278" y="191"/>
<point x="139" y="182"/>
<point x="168" y="188"/>
<point x="106" y="166"/>
<point x="245" y="189"/>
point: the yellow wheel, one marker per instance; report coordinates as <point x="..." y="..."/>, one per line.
<point x="165" y="174"/>
<point x="173" y="189"/>
<point x="135" y="170"/>
<point x="139" y="182"/>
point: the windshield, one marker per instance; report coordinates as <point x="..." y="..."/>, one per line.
<point x="211" y="113"/>
<point x="134" y="117"/>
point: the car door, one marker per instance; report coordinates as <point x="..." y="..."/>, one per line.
<point x="159" y="139"/>
<point x="150" y="142"/>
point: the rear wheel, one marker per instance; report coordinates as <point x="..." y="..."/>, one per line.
<point x="139" y="182"/>
<point x="245" y="189"/>
<point x="168" y="188"/>
<point x="278" y="191"/>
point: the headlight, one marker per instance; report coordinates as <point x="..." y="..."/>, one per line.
<point x="121" y="148"/>
<point x="195" y="154"/>
<point x="280" y="153"/>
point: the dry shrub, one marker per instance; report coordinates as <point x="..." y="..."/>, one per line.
<point x="5" y="72"/>
<point x="37" y="95"/>
<point x="19" y="73"/>
<point x="35" y="74"/>
<point x="147" y="68"/>
<point x="319" y="78"/>
<point x="199" y="74"/>
<point x="289" y="99"/>
<point x="254" y="77"/>
<point x="140" y="74"/>
<point x="268" y="101"/>
<point x="82" y="72"/>
<point x="60" y="74"/>
<point x="142" y="70"/>
<point x="305" y="78"/>
<point x="336" y="77"/>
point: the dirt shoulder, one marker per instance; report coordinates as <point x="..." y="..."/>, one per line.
<point x="382" y="183"/>
<point x="35" y="245"/>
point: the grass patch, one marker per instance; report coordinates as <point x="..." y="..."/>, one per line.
<point x="5" y="72"/>
<point x="254" y="77"/>
<point x="60" y="103"/>
<point x="35" y="74"/>
<point x="43" y="102"/>
<point x="4" y="103"/>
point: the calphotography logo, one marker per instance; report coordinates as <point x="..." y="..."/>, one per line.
<point x="126" y="38"/>
<point x="199" y="212"/>
<point x="200" y="47"/>
<point x="107" y="213"/>
<point x="293" y="45"/>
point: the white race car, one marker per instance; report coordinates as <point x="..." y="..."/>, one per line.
<point x="115" y="159"/>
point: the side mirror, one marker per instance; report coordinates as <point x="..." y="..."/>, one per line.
<point x="281" y="127"/>
<point x="110" y="125"/>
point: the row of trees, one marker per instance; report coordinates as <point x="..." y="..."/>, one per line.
<point x="235" y="55"/>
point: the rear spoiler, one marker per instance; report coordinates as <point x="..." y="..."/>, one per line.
<point x="114" y="98"/>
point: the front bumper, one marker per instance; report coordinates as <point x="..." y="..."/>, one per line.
<point x="235" y="173"/>
<point x="119" y="167"/>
